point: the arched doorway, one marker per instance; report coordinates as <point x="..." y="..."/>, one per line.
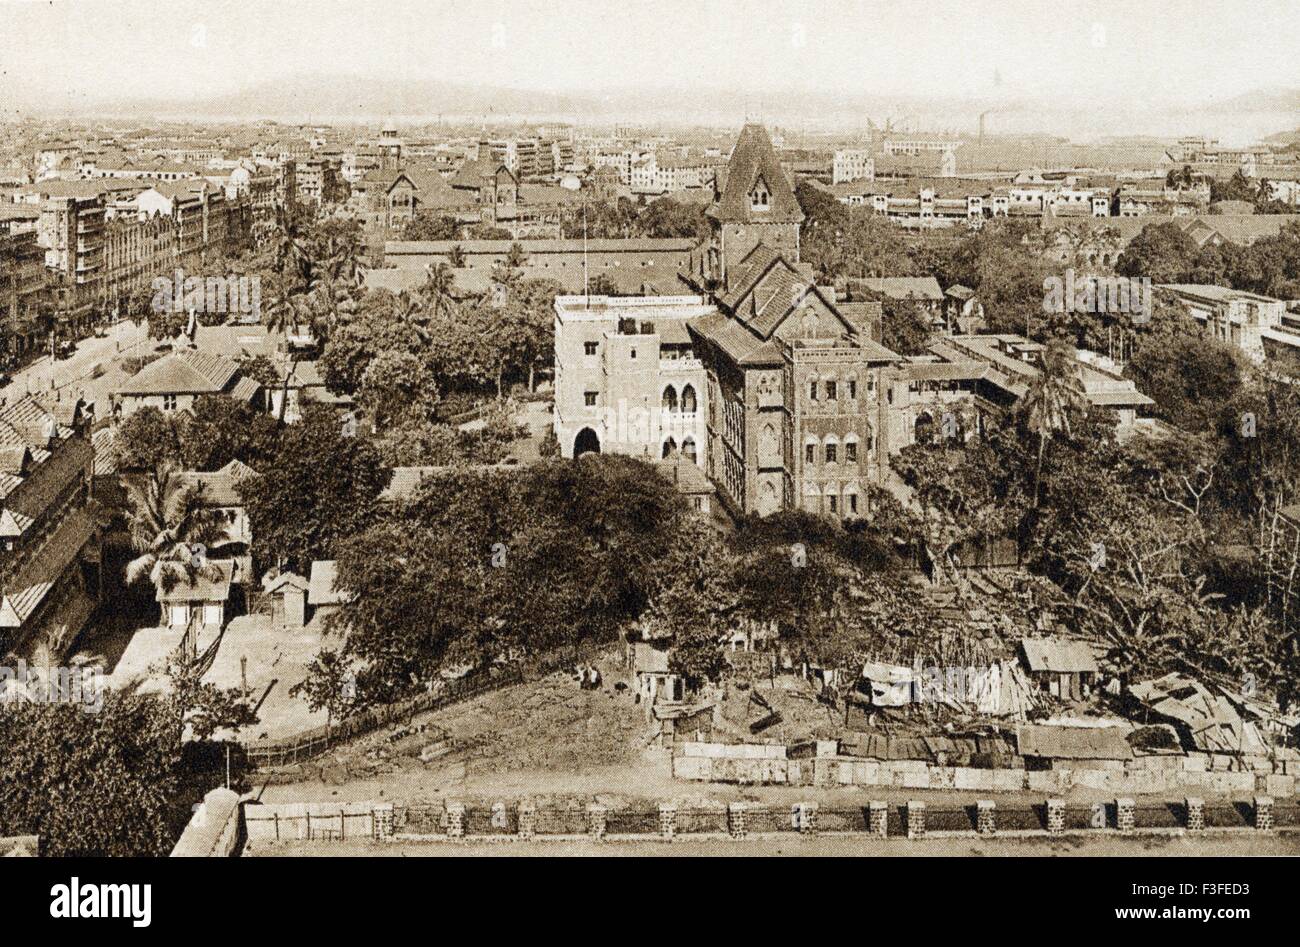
<point x="670" y="400"/>
<point x="688" y="400"/>
<point x="670" y="446"/>
<point x="586" y="443"/>
<point x="688" y="449"/>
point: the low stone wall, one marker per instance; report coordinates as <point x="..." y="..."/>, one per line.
<point x="213" y="830"/>
<point x="758" y="764"/>
<point x="668" y="821"/>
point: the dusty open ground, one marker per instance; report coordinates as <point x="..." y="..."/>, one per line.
<point x="548" y="738"/>
<point x="1238" y="844"/>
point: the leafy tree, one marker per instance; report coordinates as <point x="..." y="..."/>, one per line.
<point x="398" y="386"/>
<point x="431" y="227"/>
<point x="330" y="685"/>
<point x="320" y="490"/>
<point x="905" y="327"/>
<point x="148" y="439"/>
<point x="221" y="429"/>
<point x="97" y="784"/>
<point x="1162" y="253"/>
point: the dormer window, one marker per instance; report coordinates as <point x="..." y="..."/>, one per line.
<point x="760" y="198"/>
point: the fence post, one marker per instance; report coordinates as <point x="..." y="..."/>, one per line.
<point x="667" y="821"/>
<point x="1264" y="813"/>
<point x="985" y="817"/>
<point x="1124" y="820"/>
<point x="383" y="820"/>
<point x="737" y="825"/>
<point x="455" y="820"/>
<point x="1195" y="814"/>
<point x="527" y="819"/>
<point x="878" y="818"/>
<point x="597" y="820"/>
<point x="1055" y="816"/>
<point x="915" y="818"/>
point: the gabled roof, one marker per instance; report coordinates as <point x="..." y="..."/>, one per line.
<point x="25" y="591"/>
<point x="218" y="487"/>
<point x="287" y="580"/>
<point x="754" y="159"/>
<point x="470" y="175"/>
<point x="184" y="372"/>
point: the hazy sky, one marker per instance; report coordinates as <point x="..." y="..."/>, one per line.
<point x="1162" y="49"/>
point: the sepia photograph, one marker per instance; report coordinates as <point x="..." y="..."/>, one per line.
<point x="683" y="429"/>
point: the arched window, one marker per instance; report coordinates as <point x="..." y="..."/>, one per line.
<point x="810" y="450"/>
<point x="688" y="448"/>
<point x="688" y="400"/>
<point x="670" y="399"/>
<point x="767" y="442"/>
<point x="851" y="449"/>
<point x="832" y="448"/>
<point x="812" y="387"/>
<point x="851" y="500"/>
<point x="670" y="446"/>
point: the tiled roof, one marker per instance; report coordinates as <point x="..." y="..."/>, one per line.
<point x="753" y="159"/>
<point x="183" y="372"/>
<point x="25" y="591"/>
<point x="218" y="487"/>
<point x="904" y="287"/>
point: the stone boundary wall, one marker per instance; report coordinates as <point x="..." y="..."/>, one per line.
<point x="759" y="764"/>
<point x="502" y="820"/>
<point x="213" y="829"/>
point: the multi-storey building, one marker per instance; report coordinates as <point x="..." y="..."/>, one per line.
<point x="319" y="181"/>
<point x="23" y="288"/>
<point x="48" y="561"/>
<point x="1239" y="318"/>
<point x="852" y="164"/>
<point x="626" y="377"/>
<point x="802" y="407"/>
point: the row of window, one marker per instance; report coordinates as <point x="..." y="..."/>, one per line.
<point x="831" y="453"/>
<point x="831" y="389"/>
<point x="829" y="501"/>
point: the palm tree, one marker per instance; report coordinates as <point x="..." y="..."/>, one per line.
<point x="456" y="255"/>
<point x="1053" y="396"/>
<point x="407" y="309"/>
<point x="172" y="530"/>
<point x="292" y="249"/>
<point x="437" y="287"/>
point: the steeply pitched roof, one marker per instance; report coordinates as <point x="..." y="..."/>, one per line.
<point x="753" y="159"/>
